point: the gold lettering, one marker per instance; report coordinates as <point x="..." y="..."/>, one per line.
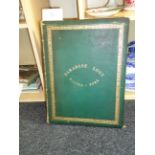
<point x="93" y="83"/>
<point x="102" y="74"/>
<point x="76" y="66"/>
<point x="98" y="71"/>
<point x="85" y="65"/>
<point x="73" y="68"/>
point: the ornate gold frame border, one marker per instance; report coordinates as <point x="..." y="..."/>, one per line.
<point x="120" y="27"/>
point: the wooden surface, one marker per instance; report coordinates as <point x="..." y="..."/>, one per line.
<point x="22" y="24"/>
<point x="32" y="11"/>
<point x="26" y="56"/>
<point x="32" y="96"/>
<point x="131" y="31"/>
<point x="128" y="14"/>
<point x="38" y="96"/>
<point x="81" y="5"/>
<point x="129" y="95"/>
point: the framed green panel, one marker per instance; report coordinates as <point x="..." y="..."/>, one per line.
<point x="84" y="62"/>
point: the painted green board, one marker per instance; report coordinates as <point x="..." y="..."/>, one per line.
<point x="84" y="63"/>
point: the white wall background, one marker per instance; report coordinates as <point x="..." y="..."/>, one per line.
<point x="69" y="7"/>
